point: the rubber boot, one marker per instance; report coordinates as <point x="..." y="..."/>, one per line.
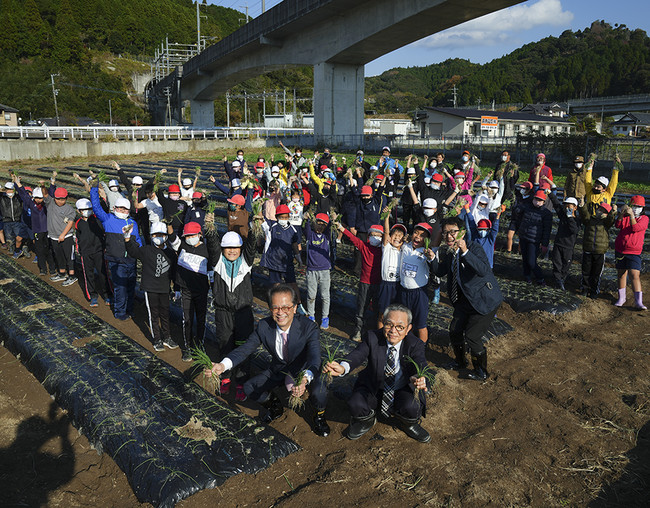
<point x="621" y="298"/>
<point x="638" y="300"/>
<point x="479" y="363"/>
<point x="321" y="428"/>
<point x="273" y="407"/>
<point x="359" y="425"/>
<point x="413" y="429"/>
<point x="460" y="362"/>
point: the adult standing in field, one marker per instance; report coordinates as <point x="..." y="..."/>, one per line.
<point x="632" y="225"/>
<point x="509" y="171"/>
<point x="574" y="187"/>
<point x="292" y="341"/>
<point x="474" y="294"/>
<point x="388" y="382"/>
<point x="540" y="168"/>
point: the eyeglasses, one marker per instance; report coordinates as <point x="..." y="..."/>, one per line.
<point x="282" y="308"/>
<point x="452" y="232"/>
<point x="389" y="326"/>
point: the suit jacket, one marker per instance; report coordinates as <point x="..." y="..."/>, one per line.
<point x="303" y="342"/>
<point x="374" y="349"/>
<point x="477" y="281"/>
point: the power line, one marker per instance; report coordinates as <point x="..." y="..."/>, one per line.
<point x="102" y="89"/>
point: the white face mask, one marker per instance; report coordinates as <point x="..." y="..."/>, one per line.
<point x="435" y="186"/>
<point x="298" y="154"/>
<point x="482" y="233"/>
<point x="375" y="241"/>
<point x="504" y="158"/>
<point x="569" y="213"/>
<point x="637" y="210"/>
<point x="113" y="189"/>
<point x="428" y="212"/>
<point x="192" y="241"/>
<point x="295" y="200"/>
<point x="240" y="158"/>
<point x="578" y="165"/>
<point x="537" y="203"/>
<point x="522" y="192"/>
<point x="465" y="158"/>
<point x="433" y="164"/>
<point x="159" y="240"/>
<point x="460" y="181"/>
<point x="10" y="194"/>
<point x="121" y="215"/>
<point x="86" y="213"/>
<point x="283" y="222"/>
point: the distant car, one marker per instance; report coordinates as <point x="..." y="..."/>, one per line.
<point x="33" y="123"/>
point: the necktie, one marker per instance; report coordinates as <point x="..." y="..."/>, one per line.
<point x="389" y="382"/>
<point x="285" y="346"/>
<point x="454" y="279"/>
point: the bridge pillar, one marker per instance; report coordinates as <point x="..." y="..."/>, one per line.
<point x="202" y="114"/>
<point x="340" y="88"/>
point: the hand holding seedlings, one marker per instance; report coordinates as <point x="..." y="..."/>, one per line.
<point x="298" y="389"/>
<point x="420" y="383"/>
<point x="334" y="368"/>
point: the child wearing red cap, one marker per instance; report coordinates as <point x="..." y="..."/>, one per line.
<point x="237" y="216"/>
<point x="174" y="208"/>
<point x="390" y="258"/>
<point x="595" y="243"/>
<point x="60" y="223"/>
<point x="366" y="214"/>
<point x="370" y="272"/>
<point x="414" y="275"/>
<point x="320" y="260"/>
<point x="632" y="224"/>
<point x="196" y="212"/>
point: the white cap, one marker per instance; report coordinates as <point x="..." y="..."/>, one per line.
<point x="603" y="180"/>
<point x="493" y="184"/>
<point x="483" y="199"/>
<point x="158" y="227"/>
<point x="137" y="180"/>
<point x="231" y="239"/>
<point x="571" y="201"/>
<point x="236" y="182"/>
<point x="37" y="192"/>
<point x="410" y="171"/>
<point x="275" y="169"/>
<point x="430" y="203"/>
<point x="373" y="168"/>
<point x="385" y="148"/>
<point x="187" y="181"/>
<point x="122" y="203"/>
<point x="113" y="183"/>
<point x="83" y="204"/>
<point x="235" y="164"/>
<point x="9" y="185"/>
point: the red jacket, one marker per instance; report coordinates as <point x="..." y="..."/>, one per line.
<point x="546" y="171"/>
<point x="371" y="259"/>
<point x="630" y="237"/>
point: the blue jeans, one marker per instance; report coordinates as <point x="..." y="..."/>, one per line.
<point x="123" y="277"/>
<point x="529" y="253"/>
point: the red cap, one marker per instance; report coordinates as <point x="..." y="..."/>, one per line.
<point x="466" y="152"/>
<point x="399" y="226"/>
<point x="197" y="195"/>
<point x="29" y="189"/>
<point x="437" y="177"/>
<point x="324" y="167"/>
<point x="526" y="185"/>
<point x="259" y="165"/>
<point x="460" y="174"/>
<point x="191" y="228"/>
<point x="237" y="199"/>
<point x="637" y="201"/>
<point x="377" y="228"/>
<point x="60" y="192"/>
<point x="282" y="209"/>
<point x="544" y="185"/>
<point x="366" y="190"/>
<point x="606" y="206"/>
<point x="380" y="177"/>
<point x="425" y="226"/>
<point x="540" y="194"/>
<point x="174" y="188"/>
<point x="484" y="224"/>
<point x="329" y="181"/>
<point x="322" y="216"/>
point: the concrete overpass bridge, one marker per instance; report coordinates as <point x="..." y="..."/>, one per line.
<point x="620" y="104"/>
<point x="337" y="37"/>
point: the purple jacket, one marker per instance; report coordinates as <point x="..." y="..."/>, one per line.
<point x="39" y="214"/>
<point x="319" y="251"/>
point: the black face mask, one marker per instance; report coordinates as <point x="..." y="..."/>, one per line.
<point x="366" y="200"/>
<point x="326" y="191"/>
<point x="596" y="191"/>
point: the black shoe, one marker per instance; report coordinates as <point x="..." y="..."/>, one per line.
<point x="170" y="343"/>
<point x="560" y="284"/>
<point x="186" y="356"/>
<point x="321" y="428"/>
<point x="360" y="425"/>
<point x="460" y="362"/>
<point x="480" y="372"/>
<point x="413" y="429"/>
<point x="274" y="409"/>
<point x="159" y="346"/>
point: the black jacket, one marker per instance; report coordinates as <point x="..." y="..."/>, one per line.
<point x="89" y="234"/>
<point x="567" y="231"/>
<point x="194" y="263"/>
<point x="174" y="211"/>
<point x="158" y="266"/>
<point x="11" y="208"/>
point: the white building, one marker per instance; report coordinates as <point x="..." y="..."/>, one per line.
<point x="631" y="124"/>
<point x="440" y="122"/>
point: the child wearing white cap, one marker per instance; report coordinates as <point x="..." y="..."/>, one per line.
<point x="187" y="186"/>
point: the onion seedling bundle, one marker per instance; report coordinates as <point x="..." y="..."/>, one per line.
<point x="203" y="361"/>
<point x="392" y="204"/>
<point x="428" y="373"/>
<point x="331" y="355"/>
<point x="295" y="402"/>
<point x="210" y="207"/>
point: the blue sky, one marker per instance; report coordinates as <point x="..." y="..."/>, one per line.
<point x="505" y="30"/>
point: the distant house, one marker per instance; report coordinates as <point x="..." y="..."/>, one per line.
<point x="632" y="124"/>
<point x="8" y="116"/>
<point x="439" y="122"/>
<point x="80" y="121"/>
<point x="558" y="109"/>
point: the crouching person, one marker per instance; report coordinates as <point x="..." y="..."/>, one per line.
<point x="292" y="341"/>
<point x="388" y="383"/>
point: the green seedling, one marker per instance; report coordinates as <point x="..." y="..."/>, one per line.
<point x="331" y="355"/>
<point x="103" y="177"/>
<point x="428" y="373"/>
<point x="393" y="203"/>
<point x="296" y="403"/>
<point x="203" y="361"/>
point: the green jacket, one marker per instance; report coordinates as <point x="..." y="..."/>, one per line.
<point x="596" y="237"/>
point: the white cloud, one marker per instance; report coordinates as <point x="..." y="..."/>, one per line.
<point x="500" y="26"/>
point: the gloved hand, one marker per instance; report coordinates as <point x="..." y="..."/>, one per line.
<point x="177" y="295"/>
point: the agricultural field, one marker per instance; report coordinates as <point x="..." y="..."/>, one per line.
<point x="562" y="421"/>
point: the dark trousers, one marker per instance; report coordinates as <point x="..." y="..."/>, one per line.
<point x="194" y="304"/>
<point x="123" y="279"/>
<point x="232" y="329"/>
<point x="561" y="259"/>
<point x="366" y="294"/>
<point x="358" y="258"/>
<point x="93" y="267"/>
<point x="529" y="253"/>
<point x="64" y="254"/>
<point x="44" y="253"/>
<point x="469" y="326"/>
<point x="158" y="308"/>
<point x="592" y="269"/>
<point x="259" y="387"/>
<point x="408" y="215"/>
<point x="362" y="402"/>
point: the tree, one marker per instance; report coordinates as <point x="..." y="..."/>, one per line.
<point x="36" y="40"/>
<point x="67" y="38"/>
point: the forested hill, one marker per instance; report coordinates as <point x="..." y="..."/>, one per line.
<point x="71" y="38"/>
<point x="598" y="61"/>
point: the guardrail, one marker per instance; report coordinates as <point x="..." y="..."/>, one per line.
<point x="115" y="133"/>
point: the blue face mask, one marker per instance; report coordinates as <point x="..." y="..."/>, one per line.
<point x="483" y="233"/>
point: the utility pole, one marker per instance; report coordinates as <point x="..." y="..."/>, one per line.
<point x="228" y="109"/>
<point x="263" y="6"/>
<point x="198" y="28"/>
<point x="245" y="7"/>
<point x="245" y="110"/>
<point x="455" y="95"/>
<point x="294" y="106"/>
<point x="264" y="106"/>
<point x="284" y="101"/>
<point x="55" y="92"/>
<point x="110" y="113"/>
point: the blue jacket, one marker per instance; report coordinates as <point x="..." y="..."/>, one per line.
<point x="115" y="246"/>
<point x="319" y="248"/>
<point x="278" y="248"/>
<point x="38" y="214"/>
<point x="367" y="214"/>
<point x="490" y="239"/>
<point x="531" y="223"/>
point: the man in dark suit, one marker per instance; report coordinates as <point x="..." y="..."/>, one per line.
<point x="389" y="380"/>
<point x="473" y="291"/>
<point x="292" y="341"/>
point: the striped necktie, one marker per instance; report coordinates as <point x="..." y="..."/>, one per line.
<point x="389" y="382"/>
<point x="454" y="280"/>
